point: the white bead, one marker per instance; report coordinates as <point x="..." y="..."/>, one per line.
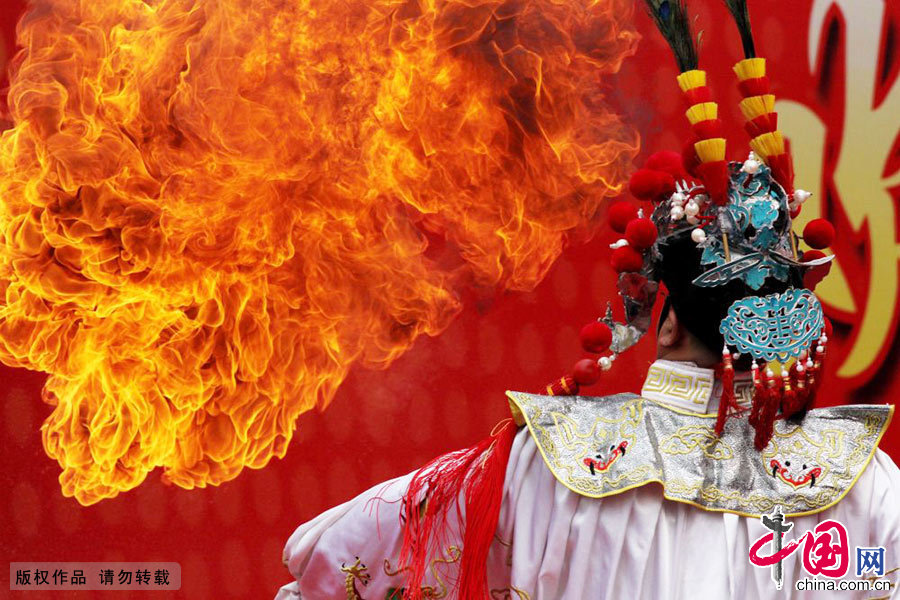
<point x="725" y="351"/>
<point x="820" y="349"/>
<point x="809" y="363"/>
<point x="677" y="212"/>
<point x="604" y="363"/>
<point x="677" y="199"/>
<point x="736" y="355"/>
<point x="801" y="196"/>
<point x="800" y="367"/>
<point x="619" y="244"/>
<point x="751" y="166"/>
<point x="698" y="235"/>
<point x="823" y="339"/>
<point x="691" y="209"/>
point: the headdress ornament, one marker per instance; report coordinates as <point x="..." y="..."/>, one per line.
<point x="735" y="219"/>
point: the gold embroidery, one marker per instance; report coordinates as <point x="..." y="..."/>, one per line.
<point x="691" y="387"/>
<point x="450" y="556"/>
<point x="355" y="572"/>
<point x="689" y="438"/>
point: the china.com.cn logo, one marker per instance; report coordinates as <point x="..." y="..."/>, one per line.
<point x="826" y="550"/>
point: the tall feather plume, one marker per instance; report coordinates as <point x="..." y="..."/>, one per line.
<point x="671" y="19"/>
<point x="741" y="14"/>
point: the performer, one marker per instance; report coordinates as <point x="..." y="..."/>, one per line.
<point x="669" y="493"/>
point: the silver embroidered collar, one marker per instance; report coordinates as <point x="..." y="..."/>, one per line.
<point x="599" y="447"/>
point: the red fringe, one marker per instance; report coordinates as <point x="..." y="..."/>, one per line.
<point x="754" y="87"/>
<point x="707" y="130"/>
<point x="477" y="473"/>
<point x="766" y="123"/>
<point x="698" y="95"/>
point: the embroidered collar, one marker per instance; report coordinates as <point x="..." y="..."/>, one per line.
<point x="685" y="386"/>
<point x="598" y="447"/>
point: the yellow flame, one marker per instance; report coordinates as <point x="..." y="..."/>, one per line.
<point x="211" y="209"/>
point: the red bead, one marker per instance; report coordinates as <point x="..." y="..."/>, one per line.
<point x="620" y="214"/>
<point x="640" y="233"/>
<point x="668" y="162"/>
<point x="586" y="371"/>
<point x="818" y="234"/>
<point x="811" y="255"/>
<point x="626" y="260"/>
<point x="595" y="337"/>
<point x="646" y="184"/>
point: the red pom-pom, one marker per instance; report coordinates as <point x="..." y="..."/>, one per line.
<point x="626" y="260"/>
<point x="795" y="212"/>
<point x="646" y="184"/>
<point x="595" y="337"/>
<point x="818" y="233"/>
<point x="811" y="255"/>
<point x="620" y="214"/>
<point x="667" y="162"/>
<point x="640" y="233"/>
<point x="586" y="371"/>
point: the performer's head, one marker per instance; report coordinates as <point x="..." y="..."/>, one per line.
<point x="688" y="327"/>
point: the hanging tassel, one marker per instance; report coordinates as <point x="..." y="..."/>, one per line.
<point x="768" y="411"/>
<point x="759" y="396"/>
<point x="728" y="405"/>
<point x="478" y="474"/>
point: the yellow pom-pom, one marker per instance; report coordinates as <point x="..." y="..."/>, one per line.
<point x="768" y="144"/>
<point x="691" y="79"/>
<point x="702" y="112"/>
<point x="712" y="150"/>
<point x="750" y="68"/>
<point x="755" y="106"/>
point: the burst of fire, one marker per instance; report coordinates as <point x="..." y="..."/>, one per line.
<point x="211" y="209"/>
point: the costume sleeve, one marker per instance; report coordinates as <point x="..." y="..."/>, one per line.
<point x="885" y="513"/>
<point x="350" y="551"/>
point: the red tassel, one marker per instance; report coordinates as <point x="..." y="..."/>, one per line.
<point x="765" y="424"/>
<point x="728" y="405"/>
<point x="477" y="473"/>
<point x="783" y="171"/>
<point x="715" y="180"/>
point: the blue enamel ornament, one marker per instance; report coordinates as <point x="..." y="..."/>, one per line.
<point x="774" y="327"/>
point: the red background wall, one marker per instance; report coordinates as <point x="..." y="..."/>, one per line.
<point x="447" y="392"/>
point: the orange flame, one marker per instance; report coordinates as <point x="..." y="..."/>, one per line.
<point x="211" y="208"/>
